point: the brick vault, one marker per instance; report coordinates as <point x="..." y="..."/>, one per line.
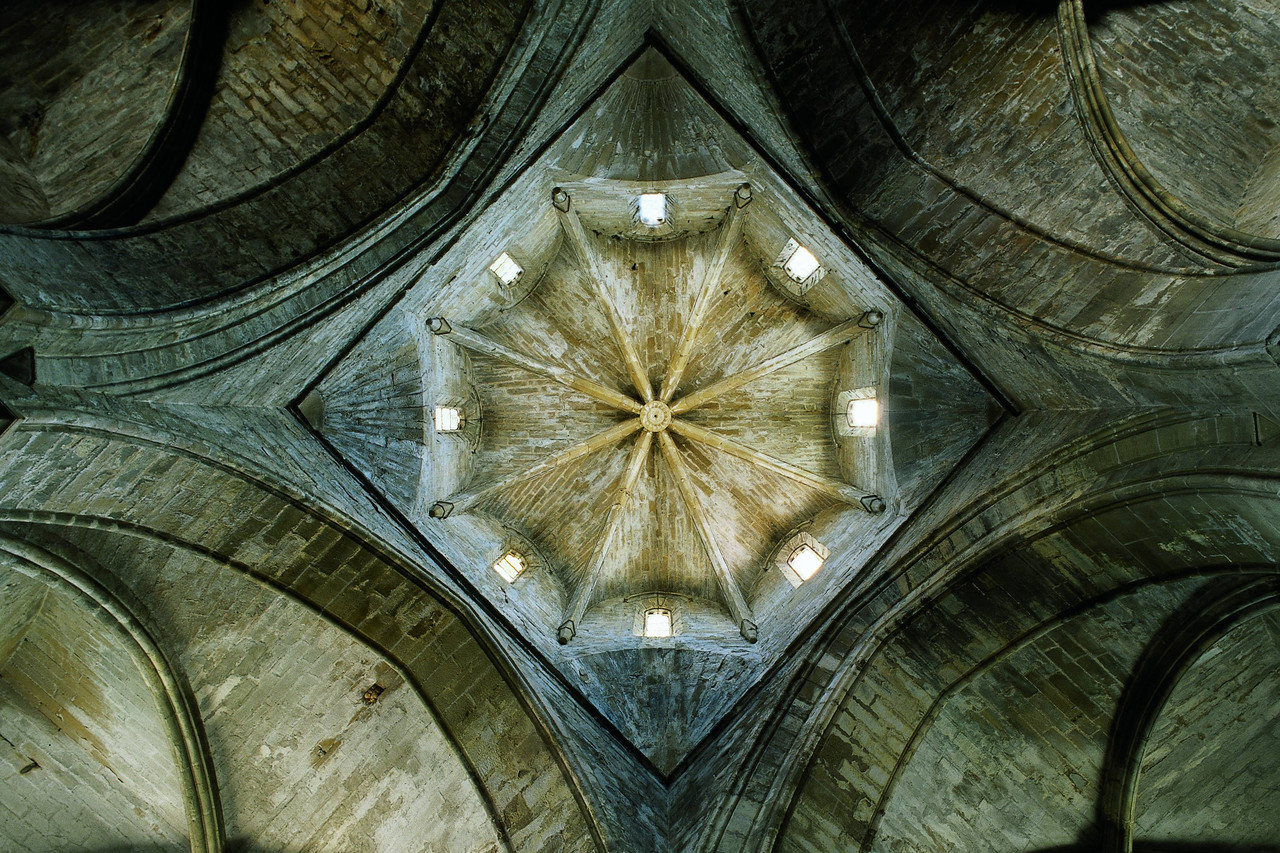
<point x="639" y="425"/>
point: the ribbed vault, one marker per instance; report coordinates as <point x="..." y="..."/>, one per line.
<point x="272" y="420"/>
<point x="652" y="416"/>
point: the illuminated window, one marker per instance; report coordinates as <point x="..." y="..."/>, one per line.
<point x="653" y="209"/>
<point x="657" y="622"/>
<point x="805" y="561"/>
<point x="801" y="264"/>
<point x="863" y="413"/>
<point x="510" y="566"/>
<point x="448" y="419"/>
<point x="506" y="269"/>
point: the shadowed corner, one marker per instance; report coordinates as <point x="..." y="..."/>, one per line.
<point x="1168" y="847"/>
<point x="1049" y="8"/>
<point x="1088" y="842"/>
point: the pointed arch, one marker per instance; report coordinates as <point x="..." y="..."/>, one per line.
<point x="173" y="698"/>
<point x="1168" y="656"/>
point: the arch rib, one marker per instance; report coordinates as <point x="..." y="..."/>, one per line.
<point x="1167" y="658"/>
<point x="178" y="709"/>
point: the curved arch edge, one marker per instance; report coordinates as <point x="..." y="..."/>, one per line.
<point x="206" y="830"/>
<point x="1168" y="657"/>
<point x="1213" y="240"/>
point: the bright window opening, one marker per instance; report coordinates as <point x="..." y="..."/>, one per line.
<point x="805" y="562"/>
<point x="653" y="209"/>
<point x="657" y="622"/>
<point x="801" y="264"/>
<point x="863" y="413"/>
<point x="506" y="269"/>
<point x="510" y="566"/>
<point x="448" y="419"/>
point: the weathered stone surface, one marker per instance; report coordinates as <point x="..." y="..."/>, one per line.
<point x="1105" y="459"/>
<point x="1213" y="751"/>
<point x="81" y="93"/>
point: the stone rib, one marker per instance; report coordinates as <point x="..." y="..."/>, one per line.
<point x="465" y="500"/>
<point x="728" y="584"/>
<point x="729" y="231"/>
<point x="841" y="334"/>
<point x="586" y="589"/>
<point x="832" y="488"/>
<point x="595" y="272"/>
<point x="475" y="341"/>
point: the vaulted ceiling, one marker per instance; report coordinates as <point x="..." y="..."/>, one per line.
<point x="247" y="586"/>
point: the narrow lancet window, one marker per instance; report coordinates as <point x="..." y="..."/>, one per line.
<point x="506" y="269"/>
<point x="653" y="209"/>
<point x="509" y="566"/>
<point x="863" y="413"/>
<point x="801" y="264"/>
<point x="805" y="561"/>
<point x="448" y="419"/>
<point x="657" y="622"/>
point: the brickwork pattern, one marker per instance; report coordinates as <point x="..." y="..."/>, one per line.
<point x="757" y="802"/>
<point x="1135" y="538"/>
<point x="375" y="414"/>
<point x="244" y="526"/>
<point x="959" y="84"/>
<point x="1212" y="756"/>
<point x="73" y="703"/>
<point x="749" y="807"/>
<point x="1015" y="754"/>
<point x="225" y="248"/>
<point x="1132" y="534"/>
<point x="327" y="769"/>
<point x="926" y="438"/>
<point x="1028" y="271"/>
<point x="1217" y="149"/>
<point x="1082" y="493"/>
<point x="83" y="91"/>
<point x="296" y="75"/>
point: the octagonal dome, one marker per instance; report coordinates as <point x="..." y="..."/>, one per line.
<point x="626" y="412"/>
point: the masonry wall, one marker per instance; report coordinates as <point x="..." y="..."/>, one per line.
<point x="1116" y="280"/>
<point x="305" y="756"/>
<point x="1194" y="91"/>
<point x="85" y="758"/>
<point x="1212" y="756"/>
<point x="1012" y="758"/>
<point x="227" y="249"/>
<point x="296" y="76"/>
<point x="81" y="92"/>
<point x="1136" y="458"/>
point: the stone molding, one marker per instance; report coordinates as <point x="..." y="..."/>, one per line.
<point x="161" y="157"/>
<point x="1183" y="639"/>
<point x="365" y="562"/>
<point x="173" y="698"/>
<point x="1216" y="241"/>
<point x="223" y="256"/>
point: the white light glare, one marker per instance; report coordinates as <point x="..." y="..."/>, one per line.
<point x="510" y="566"/>
<point x="506" y="269"/>
<point x="801" y="264"/>
<point x="657" y="622"/>
<point x="805" y="562"/>
<point x="863" y="413"/>
<point x="653" y="209"/>
<point x="448" y="419"/>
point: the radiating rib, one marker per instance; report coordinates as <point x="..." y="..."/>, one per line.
<point x="582" y="595"/>
<point x="595" y="272"/>
<point x="464" y="500"/>
<point x="833" y="488"/>
<point x="843" y="333"/>
<point x="729" y="231"/>
<point x="473" y="340"/>
<point x="728" y="585"/>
